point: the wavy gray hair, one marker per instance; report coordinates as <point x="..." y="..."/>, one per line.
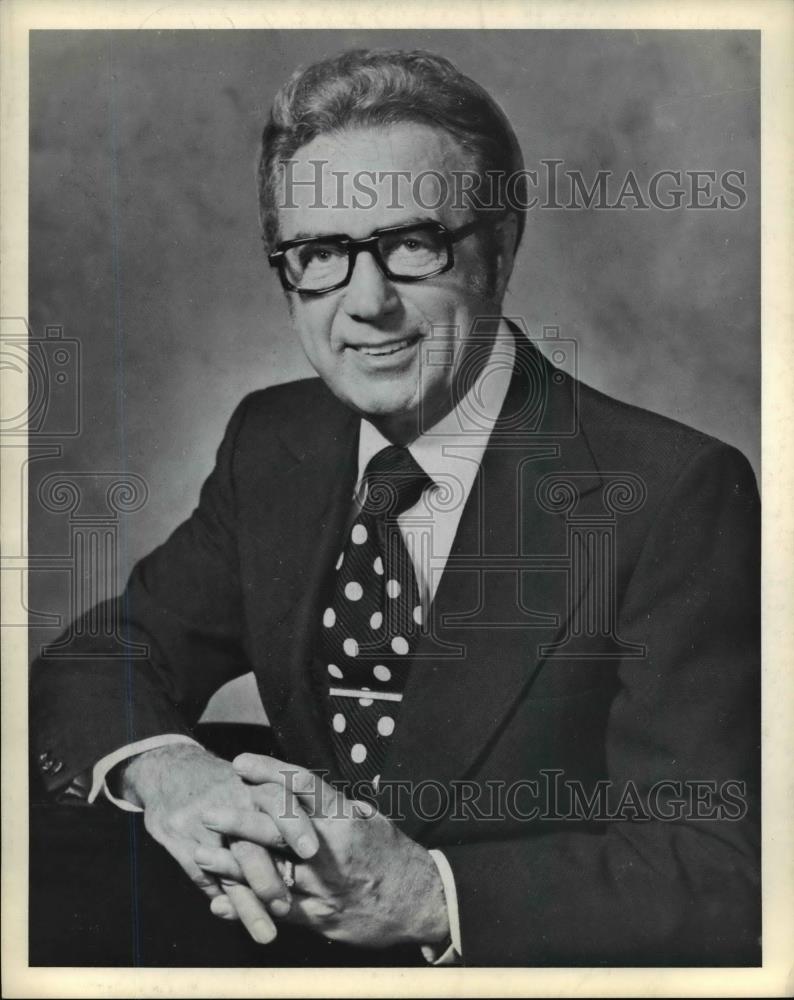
<point x="374" y="87"/>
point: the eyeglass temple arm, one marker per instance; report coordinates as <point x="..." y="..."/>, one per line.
<point x="465" y="230"/>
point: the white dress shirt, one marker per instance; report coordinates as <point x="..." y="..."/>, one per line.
<point x="450" y="453"/>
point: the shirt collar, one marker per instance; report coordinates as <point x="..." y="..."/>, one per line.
<point x="455" y="445"/>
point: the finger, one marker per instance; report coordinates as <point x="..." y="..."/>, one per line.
<point x="219" y="861"/>
<point x="242" y="903"/>
<point x="250" y="824"/>
<point x="182" y="852"/>
<point x="308" y="911"/>
<point x="246" y="863"/>
<point x="251" y="912"/>
<point x="362" y="809"/>
<point x="279" y="819"/>
<point x="271" y="834"/>
<point x="262" y="876"/>
<point x="221" y="906"/>
<point x="315" y="794"/>
<point x="279" y="804"/>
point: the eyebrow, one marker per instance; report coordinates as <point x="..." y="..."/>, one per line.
<point x="305" y="235"/>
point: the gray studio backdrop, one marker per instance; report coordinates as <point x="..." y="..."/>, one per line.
<point x="144" y="244"/>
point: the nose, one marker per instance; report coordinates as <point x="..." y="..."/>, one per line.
<point x="369" y="295"/>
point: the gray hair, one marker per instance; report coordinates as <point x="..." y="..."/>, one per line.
<point x="371" y="88"/>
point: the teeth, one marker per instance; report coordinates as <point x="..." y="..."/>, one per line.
<point x="388" y="349"/>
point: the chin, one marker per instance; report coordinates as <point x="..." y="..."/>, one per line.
<point x="378" y="408"/>
<point x="382" y="410"/>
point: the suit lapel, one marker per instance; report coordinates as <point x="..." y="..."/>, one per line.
<point x="311" y="511"/>
<point x="499" y="600"/>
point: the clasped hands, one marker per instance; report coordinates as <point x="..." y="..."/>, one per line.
<point x="357" y="878"/>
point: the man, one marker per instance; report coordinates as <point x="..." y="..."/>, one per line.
<point x="452" y="568"/>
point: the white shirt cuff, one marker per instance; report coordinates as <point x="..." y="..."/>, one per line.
<point x="104" y="766"/>
<point x="454" y="952"/>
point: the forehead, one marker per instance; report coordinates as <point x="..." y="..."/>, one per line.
<point x="364" y="179"/>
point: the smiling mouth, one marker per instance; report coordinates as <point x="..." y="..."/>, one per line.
<point x="383" y="350"/>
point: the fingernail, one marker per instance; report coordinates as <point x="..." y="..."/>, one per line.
<point x="212" y="817"/>
<point x="262" y="932"/>
<point x="306" y="846"/>
<point x="280" y="907"/>
<point x="203" y="856"/>
<point x="242" y="763"/>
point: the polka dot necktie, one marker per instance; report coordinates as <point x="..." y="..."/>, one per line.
<point x="373" y="618"/>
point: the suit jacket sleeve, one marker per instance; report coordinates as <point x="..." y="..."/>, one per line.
<point x="183" y="605"/>
<point x="654" y="891"/>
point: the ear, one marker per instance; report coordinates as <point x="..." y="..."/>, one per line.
<point x="507" y="235"/>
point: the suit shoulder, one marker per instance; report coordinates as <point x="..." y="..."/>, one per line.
<point x="299" y="414"/>
<point x="289" y="405"/>
<point x="287" y="396"/>
<point x="621" y="434"/>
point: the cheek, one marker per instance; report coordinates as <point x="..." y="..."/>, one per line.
<point x="434" y="307"/>
<point x="312" y="321"/>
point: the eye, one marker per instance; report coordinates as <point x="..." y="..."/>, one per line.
<point x="414" y="241"/>
<point x="407" y="244"/>
<point x="315" y="254"/>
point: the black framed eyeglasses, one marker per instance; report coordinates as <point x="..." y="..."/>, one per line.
<point x="408" y="253"/>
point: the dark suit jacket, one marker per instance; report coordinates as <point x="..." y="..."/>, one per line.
<point x="605" y="631"/>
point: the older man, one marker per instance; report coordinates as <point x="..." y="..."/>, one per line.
<point x="505" y="628"/>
